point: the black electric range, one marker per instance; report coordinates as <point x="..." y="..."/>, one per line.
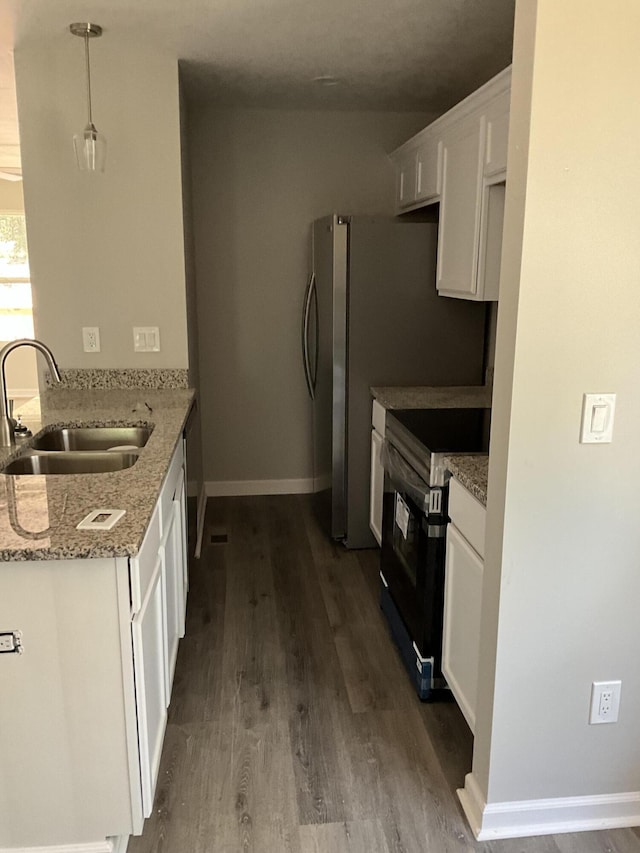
<point x="425" y="436"/>
<point x="415" y="518"/>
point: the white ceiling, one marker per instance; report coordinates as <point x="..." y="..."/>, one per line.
<point x="422" y="55"/>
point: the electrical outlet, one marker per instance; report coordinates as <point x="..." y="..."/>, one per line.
<point x="91" y="338"/>
<point x="11" y="642"/>
<point x="7" y="641"/>
<point x="605" y="702"/>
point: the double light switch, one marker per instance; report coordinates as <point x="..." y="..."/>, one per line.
<point x="597" y="418"/>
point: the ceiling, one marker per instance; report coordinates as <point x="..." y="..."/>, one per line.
<point x="405" y="55"/>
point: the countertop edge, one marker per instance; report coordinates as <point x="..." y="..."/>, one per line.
<point x="432" y="397"/>
<point x="471" y="471"/>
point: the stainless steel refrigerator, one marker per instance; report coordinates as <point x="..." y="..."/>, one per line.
<point x="372" y="317"/>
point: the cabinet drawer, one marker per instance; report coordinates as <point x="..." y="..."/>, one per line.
<point x="468" y="515"/>
<point x="141" y="567"/>
<point x="169" y="486"/>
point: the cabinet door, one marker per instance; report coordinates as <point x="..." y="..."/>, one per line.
<point x="429" y="170"/>
<point x="174" y="555"/>
<point x="490" y="248"/>
<point x="406" y="179"/>
<point x="149" y="654"/>
<point x="461" y="631"/>
<point x="180" y="508"/>
<point x="460" y="209"/>
<point x="377" y="487"/>
<point x="172" y="589"/>
<point x="497" y="117"/>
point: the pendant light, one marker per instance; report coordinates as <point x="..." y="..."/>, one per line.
<point x="90" y="146"/>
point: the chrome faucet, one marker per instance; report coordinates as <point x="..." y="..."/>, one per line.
<point x="7" y="435"/>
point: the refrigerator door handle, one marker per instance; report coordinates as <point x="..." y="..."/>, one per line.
<point x="311" y="380"/>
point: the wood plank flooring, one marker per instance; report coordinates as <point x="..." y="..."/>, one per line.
<point x="293" y="727"/>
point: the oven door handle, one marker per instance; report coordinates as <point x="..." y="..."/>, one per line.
<point x="403" y="475"/>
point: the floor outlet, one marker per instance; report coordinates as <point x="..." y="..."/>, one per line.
<point x="605" y="702"/>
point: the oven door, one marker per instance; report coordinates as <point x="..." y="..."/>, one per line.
<point x="413" y="550"/>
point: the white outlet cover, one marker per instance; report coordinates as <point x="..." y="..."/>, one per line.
<point x="91" y="338"/>
<point x="598" y="713"/>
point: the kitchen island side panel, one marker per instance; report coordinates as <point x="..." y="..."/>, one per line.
<point x="64" y="746"/>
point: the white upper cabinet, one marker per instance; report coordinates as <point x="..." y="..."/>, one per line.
<point x="429" y="168"/>
<point x="459" y="227"/>
<point x="497" y="135"/>
<point x="406" y="179"/>
<point x="460" y="161"/>
<point x="418" y="167"/>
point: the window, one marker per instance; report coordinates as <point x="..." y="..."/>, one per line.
<point x="16" y="310"/>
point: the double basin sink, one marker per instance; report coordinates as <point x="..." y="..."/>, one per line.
<point x="81" y="450"/>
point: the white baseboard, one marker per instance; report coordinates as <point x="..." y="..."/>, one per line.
<point x="105" y="846"/>
<point x="230" y="488"/>
<point x="200" y="513"/>
<point x="524" y="818"/>
<point x="120" y="843"/>
<point x="20" y="393"/>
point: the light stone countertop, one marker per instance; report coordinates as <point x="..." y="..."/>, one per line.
<point x="425" y="397"/>
<point x="472" y="472"/>
<point x="39" y="514"/>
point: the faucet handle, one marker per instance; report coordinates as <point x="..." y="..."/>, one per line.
<point x="21" y="430"/>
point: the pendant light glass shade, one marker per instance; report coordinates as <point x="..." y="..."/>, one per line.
<point x="90" y="146"/>
<point x="91" y="150"/>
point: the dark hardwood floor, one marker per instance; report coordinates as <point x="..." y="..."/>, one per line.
<point x="293" y="726"/>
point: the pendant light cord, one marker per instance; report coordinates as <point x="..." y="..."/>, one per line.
<point x="88" y="64"/>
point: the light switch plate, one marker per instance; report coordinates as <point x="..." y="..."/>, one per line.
<point x="146" y="339"/>
<point x="597" y="418"/>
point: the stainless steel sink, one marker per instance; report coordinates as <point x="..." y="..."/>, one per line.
<point x="92" y="438"/>
<point x="71" y="462"/>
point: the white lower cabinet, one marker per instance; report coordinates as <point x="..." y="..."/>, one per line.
<point x="377" y="487"/>
<point x="463" y="598"/>
<point x="159" y="623"/>
<point x="82" y="730"/>
<point x="149" y="659"/>
<point x="173" y="575"/>
<point x="180" y="507"/>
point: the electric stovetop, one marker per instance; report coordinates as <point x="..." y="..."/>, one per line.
<point x="423" y="436"/>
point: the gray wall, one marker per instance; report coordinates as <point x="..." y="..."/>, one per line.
<point x="194" y="437"/>
<point x="562" y="586"/>
<point x="260" y="177"/>
<point x="105" y="250"/>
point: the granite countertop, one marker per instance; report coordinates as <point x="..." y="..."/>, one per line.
<point x="472" y="472"/>
<point x="425" y="397"/>
<point x="39" y="514"/>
